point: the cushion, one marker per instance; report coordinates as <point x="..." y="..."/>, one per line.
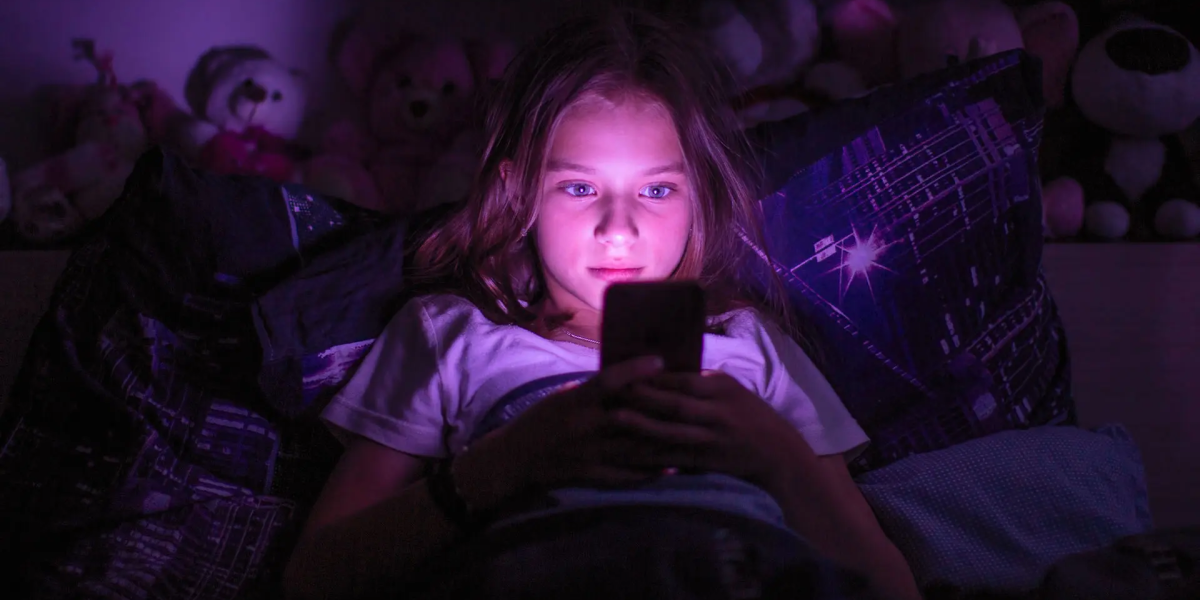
<point x="140" y="456"/>
<point x="906" y="227"/>
<point x="997" y="512"/>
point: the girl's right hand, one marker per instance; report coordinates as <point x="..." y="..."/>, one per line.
<point x="567" y="438"/>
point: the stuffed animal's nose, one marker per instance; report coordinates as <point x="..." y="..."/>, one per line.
<point x="1149" y="50"/>
<point x="255" y="93"/>
<point x="419" y="108"/>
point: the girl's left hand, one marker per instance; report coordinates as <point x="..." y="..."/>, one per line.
<point x="711" y="422"/>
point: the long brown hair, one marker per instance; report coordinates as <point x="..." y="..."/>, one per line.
<point x="481" y="251"/>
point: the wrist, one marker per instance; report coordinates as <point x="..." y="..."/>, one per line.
<point x="780" y="474"/>
<point x="484" y="482"/>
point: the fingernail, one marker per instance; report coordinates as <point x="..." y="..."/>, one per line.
<point x="708" y="372"/>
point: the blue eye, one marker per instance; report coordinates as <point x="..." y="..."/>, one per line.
<point x="579" y="190"/>
<point x="656" y="192"/>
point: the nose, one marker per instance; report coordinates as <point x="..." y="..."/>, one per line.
<point x="419" y="108"/>
<point x="1149" y="50"/>
<point x="618" y="224"/>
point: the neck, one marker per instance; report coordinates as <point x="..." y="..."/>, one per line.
<point x="581" y="321"/>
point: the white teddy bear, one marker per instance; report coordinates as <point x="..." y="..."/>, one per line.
<point x="247" y="109"/>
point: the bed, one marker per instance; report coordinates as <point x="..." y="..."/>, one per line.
<point x="206" y="355"/>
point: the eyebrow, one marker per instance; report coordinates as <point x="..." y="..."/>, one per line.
<point x="562" y="165"/>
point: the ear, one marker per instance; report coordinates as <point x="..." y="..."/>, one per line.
<point x="506" y="166"/>
<point x="1051" y="33"/>
<point x="354" y="60"/>
<point x="864" y="34"/>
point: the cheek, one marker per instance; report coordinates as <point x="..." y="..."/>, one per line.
<point x="676" y="229"/>
<point x="558" y="234"/>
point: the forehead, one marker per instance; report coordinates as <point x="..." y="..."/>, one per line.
<point x="632" y="128"/>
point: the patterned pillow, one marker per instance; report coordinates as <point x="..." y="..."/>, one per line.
<point x="906" y="226"/>
<point x="139" y="457"/>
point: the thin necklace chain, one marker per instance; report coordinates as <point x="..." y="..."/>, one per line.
<point x="580" y="337"/>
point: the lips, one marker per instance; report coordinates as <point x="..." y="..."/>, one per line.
<point x="615" y="274"/>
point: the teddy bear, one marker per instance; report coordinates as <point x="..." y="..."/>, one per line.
<point x="104" y="135"/>
<point x="1137" y="85"/>
<point x="418" y="144"/>
<point x="887" y="45"/>
<point x="247" y="109"/>
<point x="772" y="48"/>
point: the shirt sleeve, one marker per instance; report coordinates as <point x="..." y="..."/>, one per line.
<point x="396" y="397"/>
<point x="801" y="394"/>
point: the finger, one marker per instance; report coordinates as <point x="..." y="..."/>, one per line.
<point x="636" y="423"/>
<point x="603" y="475"/>
<point x="709" y="384"/>
<point x="618" y="376"/>
<point x="673" y="406"/>
<point x="663" y="458"/>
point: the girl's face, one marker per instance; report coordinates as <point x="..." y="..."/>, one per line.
<point x="615" y="201"/>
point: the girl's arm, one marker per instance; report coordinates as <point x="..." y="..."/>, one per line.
<point x="824" y="505"/>
<point x="373" y="524"/>
<point x="374" y="516"/>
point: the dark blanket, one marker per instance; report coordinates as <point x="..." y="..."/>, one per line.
<point x="140" y="456"/>
<point x="637" y="552"/>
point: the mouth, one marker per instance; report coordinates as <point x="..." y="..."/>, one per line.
<point x="615" y="274"/>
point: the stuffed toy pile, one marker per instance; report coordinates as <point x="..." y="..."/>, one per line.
<point x="1121" y="158"/>
<point x="791" y="57"/>
<point x="246" y="110"/>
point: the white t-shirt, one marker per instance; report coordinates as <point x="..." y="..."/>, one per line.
<point x="442" y="374"/>
<point x="440" y="366"/>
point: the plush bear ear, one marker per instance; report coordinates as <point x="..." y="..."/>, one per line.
<point x="209" y="68"/>
<point x="489" y="58"/>
<point x="864" y="35"/>
<point x="356" y="51"/>
<point x="732" y="36"/>
<point x="790" y="33"/>
<point x="353" y="54"/>
<point x="1051" y="33"/>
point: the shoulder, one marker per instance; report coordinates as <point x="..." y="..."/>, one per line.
<point x="749" y="324"/>
<point x="450" y="320"/>
<point x="439" y="308"/>
<point x="780" y="353"/>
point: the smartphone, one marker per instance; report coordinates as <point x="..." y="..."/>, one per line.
<point x="654" y="318"/>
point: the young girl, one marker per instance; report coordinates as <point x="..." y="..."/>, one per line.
<point x="611" y="157"/>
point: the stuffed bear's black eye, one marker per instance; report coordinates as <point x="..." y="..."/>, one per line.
<point x="403" y="81"/>
<point x="248" y="83"/>
<point x="449" y="88"/>
<point x="276" y="96"/>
